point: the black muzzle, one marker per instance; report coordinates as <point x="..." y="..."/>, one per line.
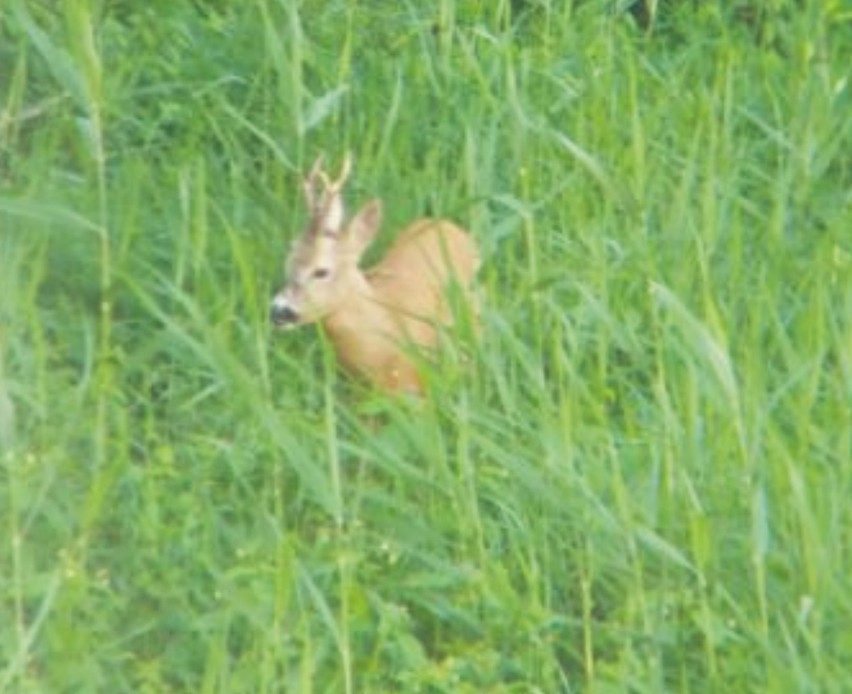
<point x="283" y="315"/>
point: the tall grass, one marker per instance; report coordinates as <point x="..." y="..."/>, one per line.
<point x="639" y="482"/>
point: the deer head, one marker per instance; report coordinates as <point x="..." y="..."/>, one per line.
<point x="322" y="268"/>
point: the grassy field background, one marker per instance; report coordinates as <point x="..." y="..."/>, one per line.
<point x="641" y="482"/>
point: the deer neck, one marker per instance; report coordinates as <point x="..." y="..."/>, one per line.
<point x="361" y="328"/>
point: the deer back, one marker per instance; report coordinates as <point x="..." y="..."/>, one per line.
<point x="413" y="280"/>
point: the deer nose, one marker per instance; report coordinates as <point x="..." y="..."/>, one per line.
<point x="282" y="314"/>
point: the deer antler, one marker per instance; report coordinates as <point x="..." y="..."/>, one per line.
<point x="324" y="199"/>
<point x="310" y="183"/>
<point x="345" y="168"/>
<point x="329" y="187"/>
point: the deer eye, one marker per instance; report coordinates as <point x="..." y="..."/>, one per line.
<point x="320" y="273"/>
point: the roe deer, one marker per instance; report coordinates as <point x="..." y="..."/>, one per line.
<point x="375" y="317"/>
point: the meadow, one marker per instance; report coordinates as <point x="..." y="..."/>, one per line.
<point x="637" y="481"/>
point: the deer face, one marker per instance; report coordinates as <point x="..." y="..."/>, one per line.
<point x="315" y="283"/>
<point x="322" y="269"/>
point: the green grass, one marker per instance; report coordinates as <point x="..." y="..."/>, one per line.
<point x="640" y="483"/>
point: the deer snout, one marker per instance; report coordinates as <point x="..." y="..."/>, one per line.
<point x="282" y="314"/>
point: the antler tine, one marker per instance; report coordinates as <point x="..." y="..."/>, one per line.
<point x="310" y="182"/>
<point x="345" y="169"/>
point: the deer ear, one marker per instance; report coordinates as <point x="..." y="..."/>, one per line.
<point x="364" y="225"/>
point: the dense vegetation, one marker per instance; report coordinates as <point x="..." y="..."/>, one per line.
<point x="639" y="481"/>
